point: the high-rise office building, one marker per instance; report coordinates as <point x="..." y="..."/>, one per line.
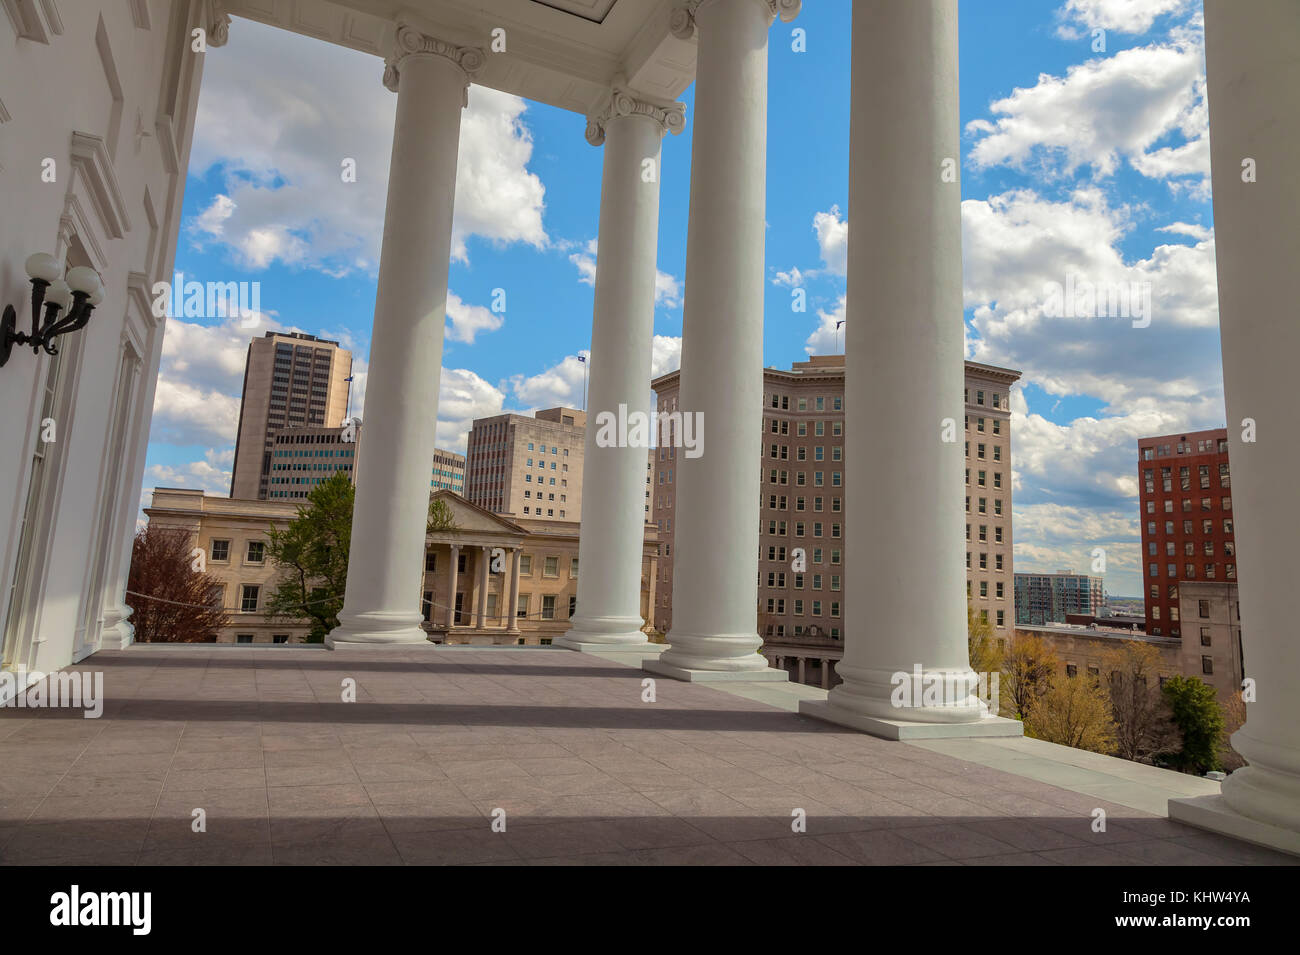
<point x="529" y="466"/>
<point x="802" y="506"/>
<point x="1185" y="495"/>
<point x="1051" y="598"/>
<point x="291" y="380"/>
<point x="448" y="471"/>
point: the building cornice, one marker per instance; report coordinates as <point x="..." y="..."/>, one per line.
<point x="681" y="21"/>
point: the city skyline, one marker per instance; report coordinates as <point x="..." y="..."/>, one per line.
<point x="1124" y="204"/>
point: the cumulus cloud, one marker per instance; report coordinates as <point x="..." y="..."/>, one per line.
<point x="268" y="116"/>
<point x="211" y="474"/>
<point x="1104" y="111"/>
<point x="832" y="232"/>
<point x="828" y="337"/>
<point x="1123" y="16"/>
<point x="466" y="321"/>
<point x="558" y="385"/>
<point x="462" y="397"/>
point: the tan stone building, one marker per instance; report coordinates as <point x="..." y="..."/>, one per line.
<point x="1210" y="611"/>
<point x="801" y="613"/>
<point x="489" y="564"/>
<point x="1083" y="649"/>
<point x="291" y="380"/>
<point x="532" y="467"/>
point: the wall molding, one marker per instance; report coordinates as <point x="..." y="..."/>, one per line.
<point x="34" y="20"/>
<point x="91" y="162"/>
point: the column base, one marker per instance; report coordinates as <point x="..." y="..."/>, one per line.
<point x="377" y="628"/>
<point x="1213" y="814"/>
<point x="909" y="729"/>
<point x="714" y="676"/>
<point x="116" y="636"/>
<point x="586" y="641"/>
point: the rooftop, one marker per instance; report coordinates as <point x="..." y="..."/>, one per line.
<point x="440" y="739"/>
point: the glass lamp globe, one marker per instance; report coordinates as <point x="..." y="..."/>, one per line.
<point x="44" y="267"/>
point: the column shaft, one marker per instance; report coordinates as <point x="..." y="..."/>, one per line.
<point x="622" y="332"/>
<point x="484" y="558"/>
<point x="904" y="338"/>
<point x="454" y="549"/>
<point x="392" y="497"/>
<point x="715" y="574"/>
<point x="1253" y="73"/>
<point x="513" y="609"/>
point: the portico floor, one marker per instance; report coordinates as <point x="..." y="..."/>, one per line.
<point x="587" y="773"/>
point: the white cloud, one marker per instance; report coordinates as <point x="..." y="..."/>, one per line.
<point x="666" y="355"/>
<point x="212" y="474"/>
<point x="462" y="397"/>
<point x="1123" y="16"/>
<point x="468" y="320"/>
<point x="283" y="113"/>
<point x="827" y="338"/>
<point x="1103" y="111"/>
<point x="558" y="385"/>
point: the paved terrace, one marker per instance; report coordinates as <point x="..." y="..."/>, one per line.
<point x="587" y="773"/>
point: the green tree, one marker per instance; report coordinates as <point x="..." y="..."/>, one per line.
<point x="1199" y="717"/>
<point x="1075" y="711"/>
<point x="441" y="517"/>
<point x="311" y="554"/>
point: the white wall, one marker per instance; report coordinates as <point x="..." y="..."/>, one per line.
<point x="106" y="90"/>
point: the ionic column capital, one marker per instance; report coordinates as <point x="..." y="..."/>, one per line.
<point x="411" y="42"/>
<point x="671" y="119"/>
<point x="216" y="23"/>
<point x="681" y="21"/>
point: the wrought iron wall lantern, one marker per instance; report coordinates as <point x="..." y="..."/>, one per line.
<point x="74" y="297"/>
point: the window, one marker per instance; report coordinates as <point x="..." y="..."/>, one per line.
<point x="548" y="607"/>
<point x="521" y="608"/>
<point x="573" y="568"/>
<point x="279" y="638"/>
<point x="431" y="562"/>
<point x="551" y="568"/>
<point x="243" y="638"/>
<point x="1207" y="665"/>
<point x="525" y="565"/>
<point x="248" y="595"/>
<point x="221" y="550"/>
<point x="1205" y="636"/>
<point x="1203" y="609"/>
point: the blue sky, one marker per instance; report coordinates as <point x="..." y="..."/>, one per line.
<point x="1083" y="161"/>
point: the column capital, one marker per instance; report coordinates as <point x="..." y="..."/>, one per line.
<point x="216" y="23"/>
<point x="411" y="42"/>
<point x="621" y="102"/>
<point x="681" y="22"/>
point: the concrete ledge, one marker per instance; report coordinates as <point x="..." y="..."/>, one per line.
<point x="589" y="646"/>
<point x="1214" y="814"/>
<point x="362" y="645"/>
<point x="906" y="729"/>
<point x="714" y="676"/>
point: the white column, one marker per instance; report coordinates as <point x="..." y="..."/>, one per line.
<point x="802" y="662"/>
<point x="513" y="621"/>
<point x="826" y="674"/>
<point x="483" y="559"/>
<point x="715" y="573"/>
<point x="613" y="504"/>
<point x="452" y="572"/>
<point x="392" y="499"/>
<point x="904" y="352"/>
<point x="1254" y="98"/>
